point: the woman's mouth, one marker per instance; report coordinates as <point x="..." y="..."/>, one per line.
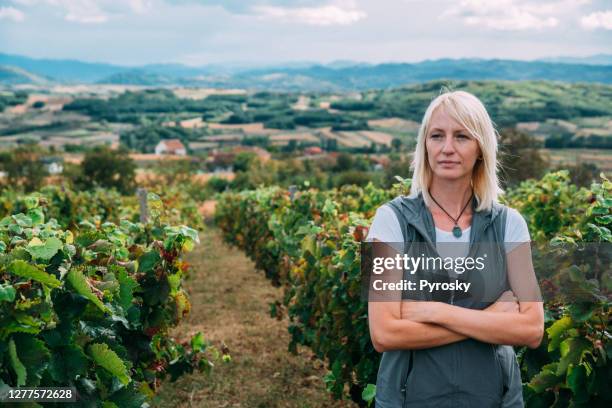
<point x="446" y="163"/>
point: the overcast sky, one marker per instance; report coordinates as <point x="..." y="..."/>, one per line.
<point x="198" y="32"/>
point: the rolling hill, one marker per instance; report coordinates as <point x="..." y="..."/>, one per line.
<point x="336" y="76"/>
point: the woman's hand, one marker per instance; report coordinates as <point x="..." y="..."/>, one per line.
<point x="506" y="303"/>
<point x="424" y="312"/>
<point x="419" y="311"/>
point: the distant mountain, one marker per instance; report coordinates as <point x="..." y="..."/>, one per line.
<point x="139" y="77"/>
<point x="339" y="64"/>
<point x="91" y="72"/>
<point x="397" y="74"/>
<point x="62" y="70"/>
<point x="599" y="59"/>
<point x="303" y="76"/>
<point x="16" y="76"/>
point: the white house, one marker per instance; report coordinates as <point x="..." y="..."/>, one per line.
<point x="55" y="168"/>
<point x="170" y="146"/>
<point x="53" y="165"/>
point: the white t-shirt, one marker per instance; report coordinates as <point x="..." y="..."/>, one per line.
<point x="386" y="228"/>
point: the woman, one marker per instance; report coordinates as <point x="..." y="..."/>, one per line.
<point x="456" y="352"/>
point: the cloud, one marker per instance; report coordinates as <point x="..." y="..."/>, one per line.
<point x="338" y="13"/>
<point x="24" y="2"/>
<point x="82" y="11"/>
<point x="139" y="6"/>
<point x="512" y="15"/>
<point x="11" y="13"/>
<point x="245" y="7"/>
<point x="91" y="11"/>
<point x="598" y="19"/>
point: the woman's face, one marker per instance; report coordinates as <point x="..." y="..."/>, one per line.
<point x="451" y="151"/>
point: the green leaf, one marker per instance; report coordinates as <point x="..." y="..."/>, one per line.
<point x="575" y="273"/>
<point x="576" y="380"/>
<point x="572" y="350"/>
<point x="25" y="270"/>
<point x="129" y="397"/>
<point x="557" y="330"/>
<point x="46" y="250"/>
<point x="37" y="216"/>
<point x="190" y="233"/>
<point x="368" y="393"/>
<point x="81" y="286"/>
<point x="17" y="365"/>
<point x="31" y="201"/>
<point x="34" y="356"/>
<point x="174" y="281"/>
<point x="198" y="344"/>
<point x="109" y="360"/>
<point x="127" y="284"/>
<point x="16" y="327"/>
<point x="545" y="379"/>
<point x="87" y="225"/>
<point x="67" y="362"/>
<point x="7" y="293"/>
<point x="581" y="312"/>
<point x="22" y="220"/>
<point x="148" y="261"/>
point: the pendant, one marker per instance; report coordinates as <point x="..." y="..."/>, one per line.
<point x="457" y="231"/>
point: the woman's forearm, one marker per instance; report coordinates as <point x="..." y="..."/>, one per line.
<point x="402" y="334"/>
<point x="520" y="329"/>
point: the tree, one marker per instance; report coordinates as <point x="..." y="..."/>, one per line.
<point x="398" y="166"/>
<point x="344" y="162"/>
<point x="242" y="161"/>
<point x="356" y="177"/>
<point x="109" y="168"/>
<point x="396" y="144"/>
<point x="290" y="147"/>
<point x="520" y="158"/>
<point x="259" y="173"/>
<point x="217" y="184"/>
<point x="24" y="168"/>
<point x="583" y="174"/>
<point x="176" y="171"/>
<point x="331" y="145"/>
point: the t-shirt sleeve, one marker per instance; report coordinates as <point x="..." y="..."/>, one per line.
<point x="385" y="226"/>
<point x="517" y="231"/>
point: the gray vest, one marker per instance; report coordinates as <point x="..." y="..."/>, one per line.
<point x="468" y="373"/>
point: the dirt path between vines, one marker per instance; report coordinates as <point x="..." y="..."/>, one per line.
<point x="230" y="304"/>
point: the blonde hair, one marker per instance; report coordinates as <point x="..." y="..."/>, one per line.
<point x="469" y="111"/>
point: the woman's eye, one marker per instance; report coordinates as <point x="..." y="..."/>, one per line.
<point x="435" y="136"/>
<point x="460" y="136"/>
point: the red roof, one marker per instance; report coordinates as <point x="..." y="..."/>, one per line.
<point x="313" y="150"/>
<point x="173" y="144"/>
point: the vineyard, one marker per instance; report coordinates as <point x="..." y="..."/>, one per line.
<point x="308" y="243"/>
<point x="88" y="294"/>
<point x="190" y="195"/>
<point x="91" y="290"/>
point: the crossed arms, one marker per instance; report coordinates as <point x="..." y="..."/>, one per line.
<point x="514" y="319"/>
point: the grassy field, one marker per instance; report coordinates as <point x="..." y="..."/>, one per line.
<point x="602" y="158"/>
<point x="230" y="304"/>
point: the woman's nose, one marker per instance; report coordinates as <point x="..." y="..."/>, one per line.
<point x="449" y="146"/>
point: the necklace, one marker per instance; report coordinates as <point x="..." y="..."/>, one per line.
<point x="456" y="229"/>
